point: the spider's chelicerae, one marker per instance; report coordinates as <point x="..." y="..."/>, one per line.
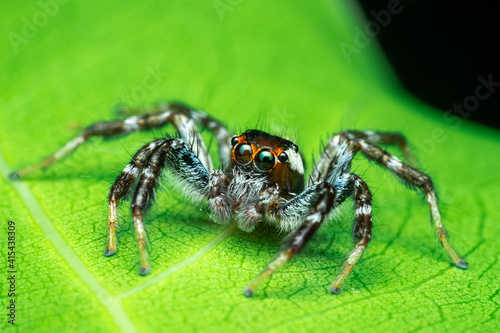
<point x="262" y="181"/>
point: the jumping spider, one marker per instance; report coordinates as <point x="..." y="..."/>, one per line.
<point x="262" y="180"/>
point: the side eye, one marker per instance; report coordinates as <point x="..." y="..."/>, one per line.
<point x="234" y="141"/>
<point x="243" y="153"/>
<point x="265" y="160"/>
<point x="283" y="157"/>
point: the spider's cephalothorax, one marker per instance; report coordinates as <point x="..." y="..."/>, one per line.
<point x="277" y="159"/>
<point x="263" y="170"/>
<point x="262" y="180"/>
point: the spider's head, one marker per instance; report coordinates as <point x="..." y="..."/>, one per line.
<point x="277" y="158"/>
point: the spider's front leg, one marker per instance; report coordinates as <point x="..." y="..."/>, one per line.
<point x="336" y="161"/>
<point x="323" y="198"/>
<point x="316" y="203"/>
<point x="122" y="187"/>
<point x="362" y="231"/>
<point x="189" y="174"/>
<point x="419" y="180"/>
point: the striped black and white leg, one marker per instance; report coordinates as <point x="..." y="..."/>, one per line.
<point x="202" y="119"/>
<point x="123" y="186"/>
<point x="336" y="163"/>
<point x="389" y="138"/>
<point x="419" y="180"/>
<point x="188" y="172"/>
<point x="181" y="117"/>
<point x="362" y="231"/>
<point x="324" y="201"/>
<point x="143" y="197"/>
<point x="341" y="148"/>
<point x="336" y="160"/>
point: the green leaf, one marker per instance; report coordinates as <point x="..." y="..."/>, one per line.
<point x="281" y="61"/>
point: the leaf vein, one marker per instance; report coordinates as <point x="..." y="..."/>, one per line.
<point x="111" y="304"/>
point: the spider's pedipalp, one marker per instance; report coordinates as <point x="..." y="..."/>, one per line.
<point x="268" y="202"/>
<point x="221" y="206"/>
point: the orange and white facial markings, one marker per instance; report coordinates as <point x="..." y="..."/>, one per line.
<point x="288" y="172"/>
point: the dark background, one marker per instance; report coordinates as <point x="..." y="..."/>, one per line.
<point x="440" y="48"/>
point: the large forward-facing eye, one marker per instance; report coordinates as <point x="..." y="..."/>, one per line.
<point x="265" y="160"/>
<point x="243" y="153"/>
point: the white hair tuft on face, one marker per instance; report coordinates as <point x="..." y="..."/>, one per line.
<point x="296" y="162"/>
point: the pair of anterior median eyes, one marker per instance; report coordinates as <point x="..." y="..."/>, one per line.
<point x="264" y="158"/>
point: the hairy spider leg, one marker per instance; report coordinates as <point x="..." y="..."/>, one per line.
<point x="362" y="231"/>
<point x="181" y="117"/>
<point x="321" y="168"/>
<point x="324" y="200"/>
<point x="420" y="180"/>
<point x="293" y="210"/>
<point x="339" y="154"/>
<point x="189" y="174"/>
<point x="341" y="144"/>
<point x="390" y="138"/>
<point x="122" y="187"/>
<point x="222" y="135"/>
<point x="143" y="196"/>
<point x="308" y="210"/>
